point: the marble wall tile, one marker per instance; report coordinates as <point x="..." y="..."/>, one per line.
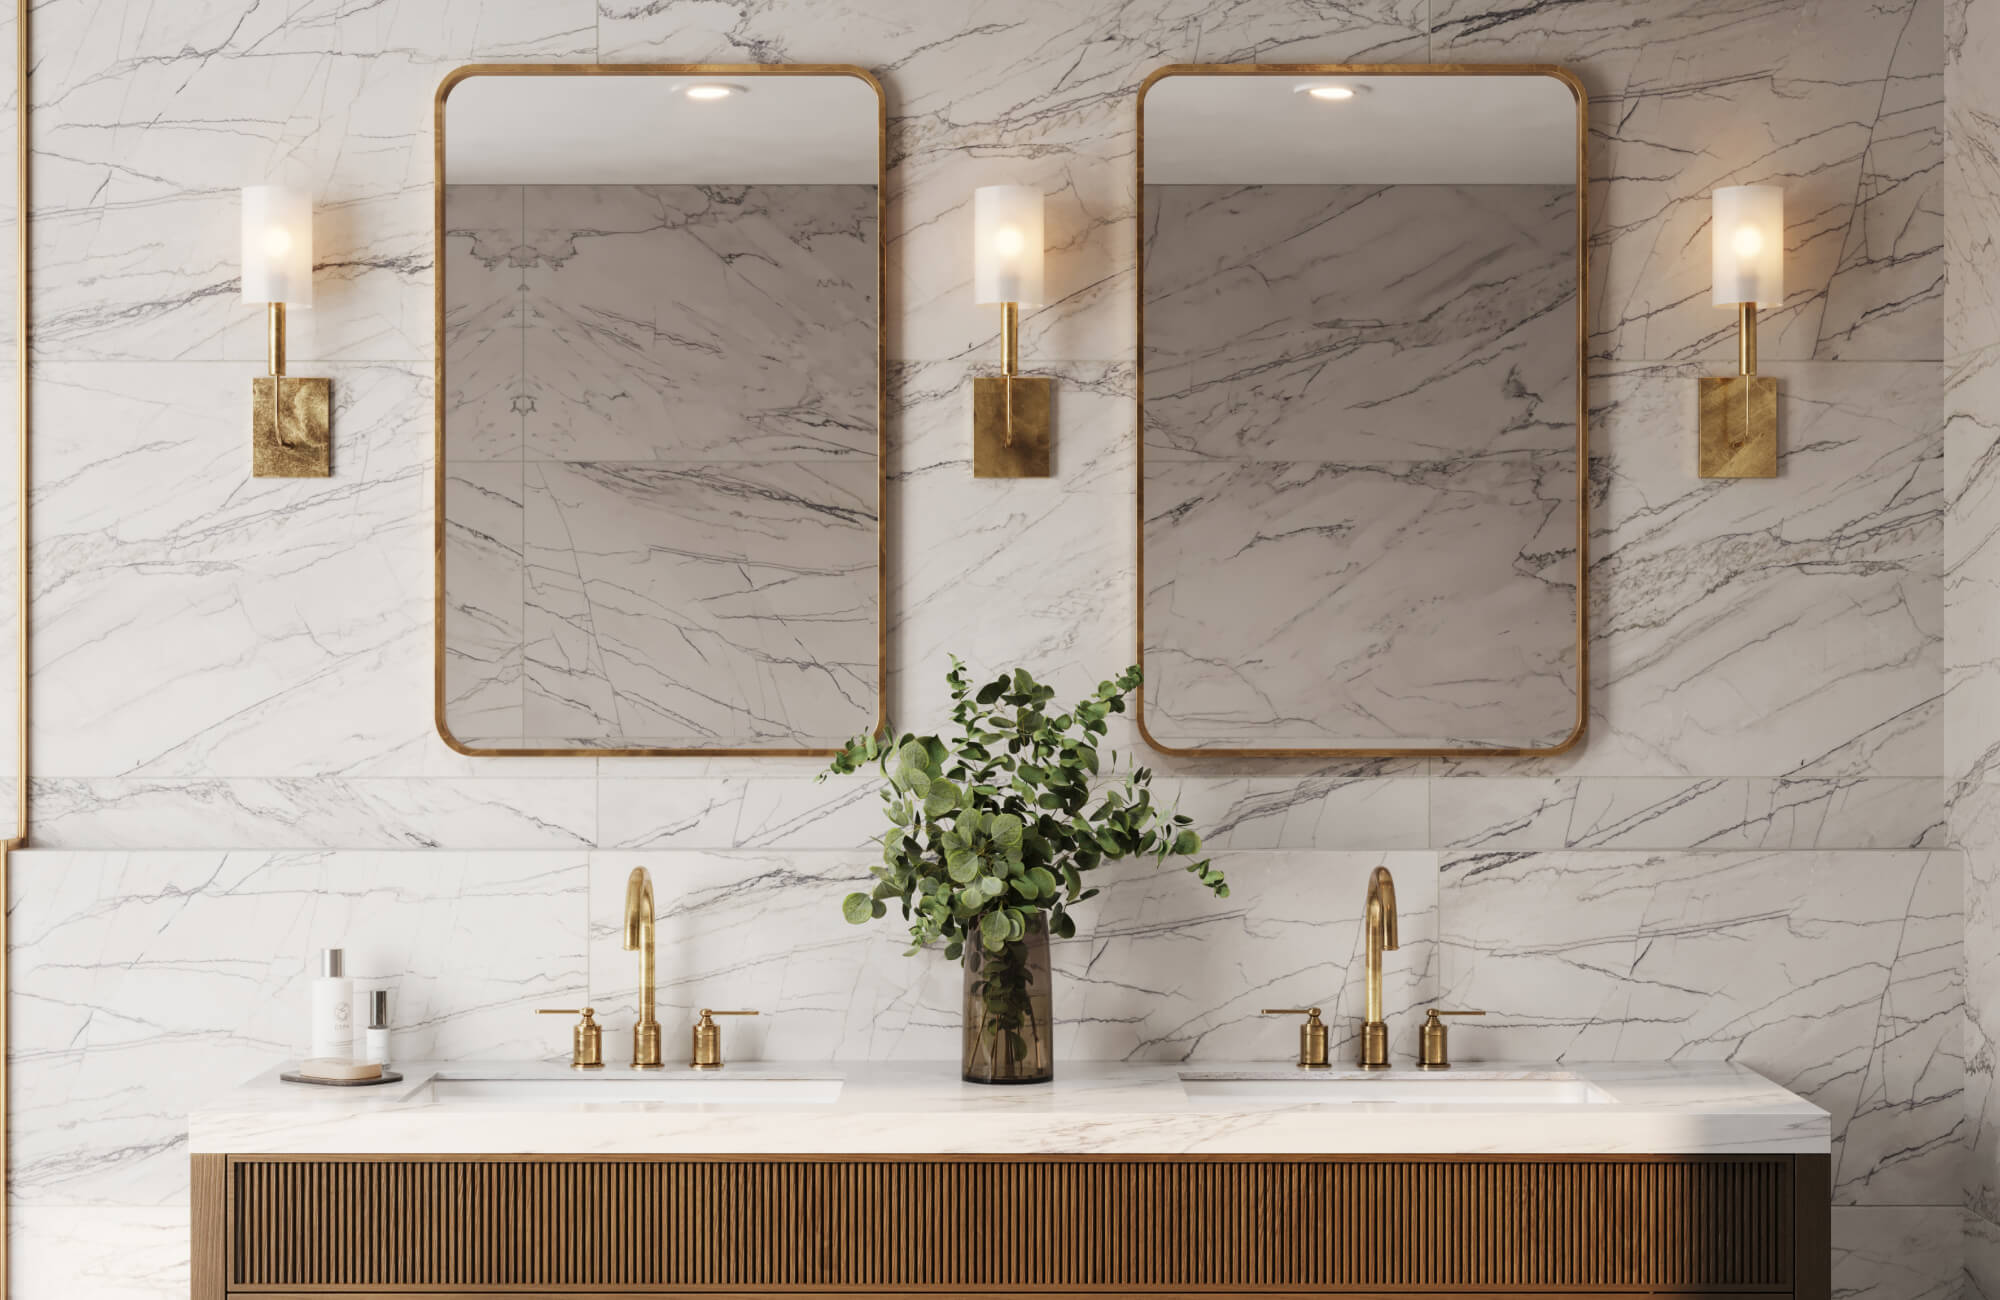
<point x="99" y="1252"/>
<point x="1359" y="323"/>
<point x="962" y="549"/>
<point x="143" y="981"/>
<point x="1896" y="1252"/>
<point x="642" y="810"/>
<point x="1158" y="970"/>
<point x="1838" y="975"/>
<point x="462" y="812"/>
<point x="1283" y="601"/>
<point x="671" y="565"/>
<point x="135" y="218"/>
<point x="1789" y="627"/>
<point x="754" y="621"/>
<point x="1971" y="179"/>
<point x="686" y="322"/>
<point x="190" y="619"/>
<point x="1717" y="812"/>
<point x="483" y="266"/>
<point x="1975" y="825"/>
<point x="485" y="601"/>
<point x="1972" y="565"/>
<point x="1837" y="102"/>
<point x="1972" y="581"/>
<point x="1042" y="95"/>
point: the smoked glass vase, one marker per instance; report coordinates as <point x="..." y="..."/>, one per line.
<point x="1009" y="1031"/>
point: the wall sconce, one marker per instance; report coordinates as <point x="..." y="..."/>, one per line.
<point x="289" y="418"/>
<point x="1010" y="413"/>
<point x="1739" y="414"/>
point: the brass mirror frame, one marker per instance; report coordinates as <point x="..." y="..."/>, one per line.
<point x="466" y="73"/>
<point x="1576" y="89"/>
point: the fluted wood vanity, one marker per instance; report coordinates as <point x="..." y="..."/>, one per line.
<point x="1115" y="1180"/>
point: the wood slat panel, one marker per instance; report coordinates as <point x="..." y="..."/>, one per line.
<point x="986" y="1225"/>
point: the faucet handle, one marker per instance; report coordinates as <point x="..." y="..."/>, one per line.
<point x="708" y="1039"/>
<point x="586" y="1046"/>
<point x="1312" y="1036"/>
<point x="1433" y="1048"/>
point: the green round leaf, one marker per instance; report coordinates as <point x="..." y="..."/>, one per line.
<point x="859" y="909"/>
<point x="1006" y="829"/>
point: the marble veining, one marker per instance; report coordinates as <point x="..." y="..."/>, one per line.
<point x="222" y="663"/>
<point x="660" y="443"/>
<point x="922" y="1108"/>
<point x="1788" y="963"/>
<point x="1361" y="468"/>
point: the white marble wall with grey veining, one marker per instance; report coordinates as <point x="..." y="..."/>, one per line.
<point x="661" y="466"/>
<point x="1972" y="584"/>
<point x="1361" y="476"/>
<point x="222" y="663"/>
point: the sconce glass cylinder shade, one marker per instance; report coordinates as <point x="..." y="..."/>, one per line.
<point x="277" y="245"/>
<point x="1747" y="239"/>
<point x="1007" y="244"/>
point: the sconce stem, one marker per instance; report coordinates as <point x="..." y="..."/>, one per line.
<point x="277" y="363"/>
<point x="1010" y="357"/>
<point x="1746" y="338"/>
<point x="277" y="357"/>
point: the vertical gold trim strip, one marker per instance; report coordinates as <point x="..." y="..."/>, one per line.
<point x="20" y="836"/>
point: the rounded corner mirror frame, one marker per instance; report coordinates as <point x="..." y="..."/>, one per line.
<point x="1579" y="722"/>
<point x="451" y="81"/>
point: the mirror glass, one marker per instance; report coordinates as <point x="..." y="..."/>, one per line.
<point x="1360" y="480"/>
<point x="659" y="410"/>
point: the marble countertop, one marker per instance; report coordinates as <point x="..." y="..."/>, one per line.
<point x="919" y="1108"/>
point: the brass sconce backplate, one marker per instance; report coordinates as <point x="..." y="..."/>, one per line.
<point x="1026" y="454"/>
<point x="304" y="412"/>
<point x="1739" y="427"/>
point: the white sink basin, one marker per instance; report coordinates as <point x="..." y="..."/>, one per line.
<point x="1454" y="1089"/>
<point x="627" y="1088"/>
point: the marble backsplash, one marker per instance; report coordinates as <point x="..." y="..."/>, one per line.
<point x="229" y="671"/>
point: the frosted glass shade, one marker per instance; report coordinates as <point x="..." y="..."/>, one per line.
<point x="1007" y="244"/>
<point x="277" y="245"/>
<point x="1747" y="238"/>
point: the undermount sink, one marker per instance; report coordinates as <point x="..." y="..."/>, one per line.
<point x="1456" y="1089"/>
<point x="632" y="1088"/>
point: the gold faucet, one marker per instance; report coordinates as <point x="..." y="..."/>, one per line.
<point x="1380" y="925"/>
<point x="639" y="938"/>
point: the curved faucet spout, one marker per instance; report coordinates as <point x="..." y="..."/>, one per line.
<point x="639" y="938"/>
<point x="638" y="909"/>
<point x="1379" y="933"/>
<point x="1382" y="899"/>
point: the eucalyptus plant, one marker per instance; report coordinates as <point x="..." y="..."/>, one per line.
<point x="998" y="829"/>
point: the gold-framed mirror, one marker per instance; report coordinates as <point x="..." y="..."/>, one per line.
<point x="659" y="443"/>
<point x="1364" y="452"/>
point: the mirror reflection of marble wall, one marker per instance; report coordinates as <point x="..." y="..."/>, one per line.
<point x="661" y="472"/>
<point x="1361" y="490"/>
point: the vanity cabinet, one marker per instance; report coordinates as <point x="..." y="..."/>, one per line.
<point x="546" y="1225"/>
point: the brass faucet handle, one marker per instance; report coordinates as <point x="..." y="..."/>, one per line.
<point x="1433" y="1045"/>
<point x="708" y="1039"/>
<point x="1312" y="1036"/>
<point x="586" y="1041"/>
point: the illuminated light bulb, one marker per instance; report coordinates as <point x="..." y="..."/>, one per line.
<point x="1748" y="242"/>
<point x="277" y="241"/>
<point x="1007" y="241"/>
